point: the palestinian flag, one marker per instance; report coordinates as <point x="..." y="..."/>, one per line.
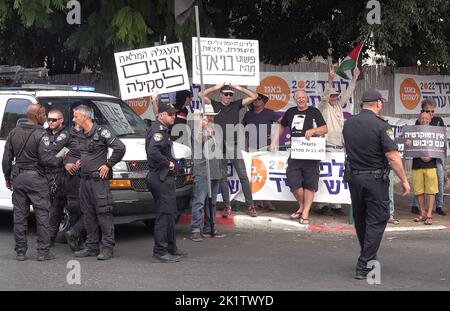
<point x="345" y="69"/>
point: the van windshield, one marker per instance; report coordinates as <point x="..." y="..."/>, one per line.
<point x="111" y="113"/>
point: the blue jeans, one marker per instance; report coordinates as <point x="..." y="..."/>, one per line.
<point x="391" y="194"/>
<point x="200" y="201"/>
<point x="440" y="194"/>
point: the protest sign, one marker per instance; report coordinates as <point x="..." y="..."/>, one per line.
<point x="226" y="60"/>
<point x="312" y="149"/>
<point x="144" y="72"/>
<point x="410" y="90"/>
<point x="280" y="87"/>
<point x="424" y="141"/>
<point x="268" y="179"/>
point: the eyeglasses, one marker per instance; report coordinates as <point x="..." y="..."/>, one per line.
<point x="428" y="111"/>
<point x="53" y="119"/>
<point x="227" y="94"/>
<point x="259" y="98"/>
<point x="171" y="114"/>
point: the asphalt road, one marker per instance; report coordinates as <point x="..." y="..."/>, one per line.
<point x="246" y="260"/>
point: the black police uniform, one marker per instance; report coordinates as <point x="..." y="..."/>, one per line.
<point x="25" y="144"/>
<point x="367" y="138"/>
<point x="95" y="195"/>
<point x="77" y="232"/>
<point x="161" y="183"/>
<point x="55" y="176"/>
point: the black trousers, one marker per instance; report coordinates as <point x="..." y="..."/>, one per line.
<point x="57" y="201"/>
<point x="166" y="212"/>
<point x="72" y="186"/>
<point x="370" y="202"/>
<point x="97" y="209"/>
<point x="30" y="187"/>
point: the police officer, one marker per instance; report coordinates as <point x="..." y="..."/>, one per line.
<point x="161" y="183"/>
<point x="56" y="137"/>
<point x="77" y="232"/>
<point x="26" y="147"/>
<point x="95" y="195"/>
<point x="371" y="150"/>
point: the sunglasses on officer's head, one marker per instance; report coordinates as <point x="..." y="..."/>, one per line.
<point x="53" y="119"/>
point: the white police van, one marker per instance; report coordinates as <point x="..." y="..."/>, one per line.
<point x="131" y="199"/>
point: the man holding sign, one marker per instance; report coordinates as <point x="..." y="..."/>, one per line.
<point x="302" y="174"/>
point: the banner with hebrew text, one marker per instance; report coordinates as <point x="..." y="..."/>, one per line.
<point x="268" y="179"/>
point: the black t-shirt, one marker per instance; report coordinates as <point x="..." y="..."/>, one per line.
<point x="418" y="164"/>
<point x="264" y="118"/>
<point x="301" y="121"/>
<point x="227" y="115"/>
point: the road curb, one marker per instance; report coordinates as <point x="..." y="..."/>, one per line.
<point x="268" y="223"/>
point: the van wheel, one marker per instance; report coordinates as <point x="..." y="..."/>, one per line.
<point x="63" y="228"/>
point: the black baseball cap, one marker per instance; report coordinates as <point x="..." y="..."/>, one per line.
<point x="226" y="89"/>
<point x="163" y="107"/>
<point x="372" y="95"/>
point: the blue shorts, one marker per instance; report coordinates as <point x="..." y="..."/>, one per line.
<point x="303" y="174"/>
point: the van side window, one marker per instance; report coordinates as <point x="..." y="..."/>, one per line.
<point x="15" y="113"/>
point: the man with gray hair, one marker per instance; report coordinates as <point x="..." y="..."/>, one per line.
<point x="95" y="195"/>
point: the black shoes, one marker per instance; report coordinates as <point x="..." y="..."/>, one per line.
<point x="86" y="252"/>
<point x="20" y="256"/>
<point x="362" y="274"/>
<point x="166" y="258"/>
<point x="44" y="257"/>
<point x="73" y="240"/>
<point x="105" y="255"/>
<point x="179" y="253"/>
<point x="440" y="211"/>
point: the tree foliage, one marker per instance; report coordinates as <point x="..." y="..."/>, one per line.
<point x="32" y="32"/>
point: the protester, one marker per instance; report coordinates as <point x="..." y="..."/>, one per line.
<point x="263" y="119"/>
<point x="205" y="141"/>
<point x="227" y="118"/>
<point x="331" y="107"/>
<point x="302" y="175"/>
<point x="425" y="181"/>
<point x="429" y="106"/>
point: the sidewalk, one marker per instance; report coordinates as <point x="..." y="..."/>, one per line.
<point x="280" y="220"/>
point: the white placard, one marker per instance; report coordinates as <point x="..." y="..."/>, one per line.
<point x="226" y="60"/>
<point x="159" y="69"/>
<point x="312" y="149"/>
<point x="410" y="90"/>
<point x="114" y="114"/>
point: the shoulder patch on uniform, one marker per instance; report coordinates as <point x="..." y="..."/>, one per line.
<point x="157" y="137"/>
<point x="390" y="133"/>
<point x="161" y="127"/>
<point x="105" y="133"/>
<point x="61" y="137"/>
<point x="46" y="140"/>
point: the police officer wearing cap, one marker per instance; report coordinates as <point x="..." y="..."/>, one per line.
<point x="95" y="195"/>
<point x="56" y="137"/>
<point x="161" y="183"/>
<point x="26" y="148"/>
<point x="370" y="153"/>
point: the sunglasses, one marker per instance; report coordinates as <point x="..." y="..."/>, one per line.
<point x="171" y="114"/>
<point x="428" y="111"/>
<point x="53" y="119"/>
<point x="227" y="94"/>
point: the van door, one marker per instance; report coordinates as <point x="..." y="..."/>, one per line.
<point x="13" y="110"/>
